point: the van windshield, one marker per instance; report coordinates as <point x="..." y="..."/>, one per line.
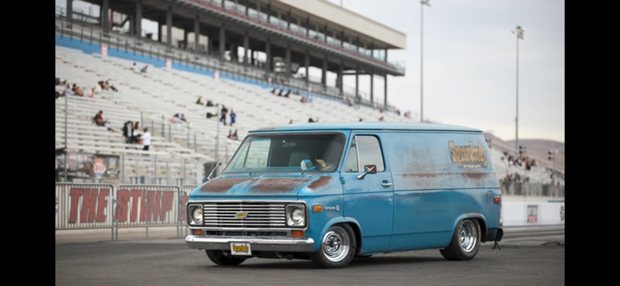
<point x="288" y="152"/>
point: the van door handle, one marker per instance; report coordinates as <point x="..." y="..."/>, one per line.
<point x="386" y="184"/>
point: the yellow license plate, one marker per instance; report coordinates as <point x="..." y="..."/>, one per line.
<point x="240" y="248"/>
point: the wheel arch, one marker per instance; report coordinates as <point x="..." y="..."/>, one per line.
<point x="342" y="220"/>
<point x="477" y="216"/>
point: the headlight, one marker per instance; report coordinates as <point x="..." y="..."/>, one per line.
<point x="196" y="214"/>
<point x="296" y="215"/>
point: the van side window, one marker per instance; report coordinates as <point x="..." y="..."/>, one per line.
<point x="351" y="164"/>
<point x="369" y="151"/>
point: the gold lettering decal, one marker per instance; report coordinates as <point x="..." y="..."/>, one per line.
<point x="472" y="156"/>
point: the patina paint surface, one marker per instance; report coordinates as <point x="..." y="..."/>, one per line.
<point x="223" y="185"/>
<point x="319" y="183"/>
<point x="273" y="185"/>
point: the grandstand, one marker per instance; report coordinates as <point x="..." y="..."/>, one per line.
<point x="179" y="151"/>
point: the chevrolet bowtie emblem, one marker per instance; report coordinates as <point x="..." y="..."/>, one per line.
<point x="241" y="214"/>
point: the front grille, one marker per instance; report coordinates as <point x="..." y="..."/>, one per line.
<point x="257" y="215"/>
<point x="246" y="233"/>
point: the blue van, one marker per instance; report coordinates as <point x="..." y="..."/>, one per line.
<point x="330" y="192"/>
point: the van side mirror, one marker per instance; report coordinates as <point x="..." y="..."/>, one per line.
<point x="368" y="169"/>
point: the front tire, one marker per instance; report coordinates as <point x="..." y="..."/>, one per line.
<point x="218" y="257"/>
<point x="337" y="248"/>
<point x="465" y="241"/>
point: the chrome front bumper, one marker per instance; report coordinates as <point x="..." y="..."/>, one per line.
<point x="258" y="243"/>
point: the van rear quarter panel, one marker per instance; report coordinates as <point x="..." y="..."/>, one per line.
<point x="439" y="178"/>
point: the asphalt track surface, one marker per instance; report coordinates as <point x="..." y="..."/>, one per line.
<point x="528" y="256"/>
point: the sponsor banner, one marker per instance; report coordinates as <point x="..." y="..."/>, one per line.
<point x="83" y="206"/>
<point x="144" y="205"/>
<point x="88" y="166"/>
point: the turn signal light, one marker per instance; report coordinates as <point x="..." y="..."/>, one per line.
<point x="497" y="200"/>
<point x="297" y="233"/>
<point x="317" y="208"/>
<point x="197" y="231"/>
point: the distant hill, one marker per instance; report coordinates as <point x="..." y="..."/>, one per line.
<point x="535" y="148"/>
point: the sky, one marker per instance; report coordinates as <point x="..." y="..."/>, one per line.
<point x="469" y="63"/>
<point x="465" y="73"/>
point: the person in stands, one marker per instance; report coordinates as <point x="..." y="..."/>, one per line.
<point x="128" y="131"/>
<point x="77" y="90"/>
<point x="99" y="120"/>
<point x="233" y="117"/>
<point x="223" y="112"/>
<point x="146" y="139"/>
<point x="134" y="68"/>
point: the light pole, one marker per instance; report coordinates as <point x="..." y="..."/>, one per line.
<point x="422" y="3"/>
<point x="66" y="134"/>
<point x="519" y="32"/>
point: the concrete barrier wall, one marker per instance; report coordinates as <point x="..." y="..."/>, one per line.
<point x="532" y="213"/>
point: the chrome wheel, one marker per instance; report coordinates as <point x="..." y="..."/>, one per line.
<point x="336" y="244"/>
<point x="468" y="236"/>
<point x="465" y="241"/>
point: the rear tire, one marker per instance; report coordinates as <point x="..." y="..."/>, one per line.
<point x="337" y="248"/>
<point x="465" y="241"/>
<point x="218" y="257"/>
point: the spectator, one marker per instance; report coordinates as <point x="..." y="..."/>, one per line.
<point x="288" y="93"/>
<point x="68" y="90"/>
<point x="273" y="91"/>
<point x="312" y="120"/>
<point x="91" y="93"/>
<point x="234" y="135"/>
<point x="134" y="68"/>
<point x="233" y="117"/>
<point x="280" y="93"/>
<point x="223" y="113"/>
<point x="381" y="118"/>
<point x="230" y="134"/>
<point x="175" y="118"/>
<point x="291" y="121"/>
<point x="111" y="86"/>
<point x="77" y="90"/>
<point x="200" y="101"/>
<point x="146" y="139"/>
<point x="209" y="115"/>
<point x="143" y="70"/>
<point x="99" y="120"/>
<point x="210" y="103"/>
<point x="128" y="131"/>
<point x="182" y="117"/>
<point x="361" y="119"/>
<point x="137" y="131"/>
<point x="136" y="139"/>
<point x="98" y="87"/>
